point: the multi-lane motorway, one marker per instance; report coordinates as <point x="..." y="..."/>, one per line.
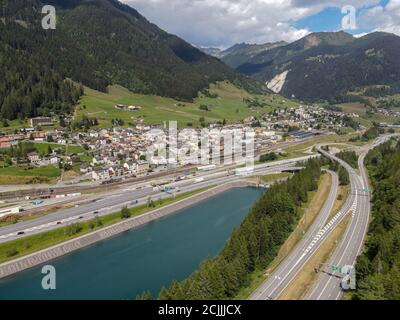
<point x="290" y="267"/>
<point x="328" y="287"/>
<point x="358" y="204"/>
<point x="130" y="198"/>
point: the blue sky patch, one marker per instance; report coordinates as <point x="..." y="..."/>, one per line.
<point x="330" y="19"/>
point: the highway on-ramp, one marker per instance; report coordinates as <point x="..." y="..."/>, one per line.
<point x="358" y="204"/>
<point x="328" y="286"/>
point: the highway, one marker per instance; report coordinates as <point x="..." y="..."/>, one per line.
<point x="358" y="204"/>
<point x="115" y="201"/>
<point x="289" y="268"/>
<point x="61" y="188"/>
<point x="328" y="285"/>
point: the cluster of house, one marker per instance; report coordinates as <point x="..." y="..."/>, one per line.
<point x="309" y="117"/>
<point x="57" y="136"/>
<point x="31" y="134"/>
<point x="389" y="113"/>
<point x="385" y="125"/>
<point x="9" y="140"/>
<point x="125" y="152"/>
<point x="53" y="159"/>
<point x="117" y="153"/>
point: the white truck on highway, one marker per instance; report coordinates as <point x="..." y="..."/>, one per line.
<point x="207" y="168"/>
<point x="244" y="172"/>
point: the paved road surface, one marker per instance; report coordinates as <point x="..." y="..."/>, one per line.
<point x="289" y="268"/>
<point x="158" y="175"/>
<point x="115" y="202"/>
<point x="328" y="286"/>
<point x="358" y="204"/>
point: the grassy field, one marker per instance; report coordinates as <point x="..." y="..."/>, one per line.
<point x="228" y="105"/>
<point x="21" y="247"/>
<point x="13" y="125"/>
<point x="18" y="124"/>
<point x="364" y="119"/>
<point x="19" y="175"/>
<point x="48" y="171"/>
<point x="16" y="175"/>
<point x="43" y="147"/>
<point x="305" y="149"/>
<point x="323" y="139"/>
<point x="355" y="107"/>
<point x="273" y="177"/>
<point x="343" y="193"/>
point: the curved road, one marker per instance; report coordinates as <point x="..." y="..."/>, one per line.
<point x="328" y="286"/>
<point x="358" y="203"/>
<point x="289" y="268"/>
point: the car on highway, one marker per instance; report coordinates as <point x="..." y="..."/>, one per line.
<point x="59" y="222"/>
<point x="20" y="233"/>
<point x="80" y="218"/>
<point x="96" y="212"/>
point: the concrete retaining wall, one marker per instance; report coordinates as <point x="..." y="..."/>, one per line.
<point x="43" y="256"/>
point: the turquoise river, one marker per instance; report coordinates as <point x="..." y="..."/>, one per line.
<point x="143" y="259"/>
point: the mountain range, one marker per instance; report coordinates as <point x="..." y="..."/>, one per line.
<point x="102" y="42"/>
<point x="242" y="52"/>
<point x="96" y="43"/>
<point x="324" y="66"/>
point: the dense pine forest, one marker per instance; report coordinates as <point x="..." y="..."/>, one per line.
<point x="350" y="157"/>
<point x="344" y="178"/>
<point x="31" y="85"/>
<point x="96" y="43"/>
<point x="378" y="268"/>
<point x="254" y="244"/>
<point x="29" y="89"/>
<point x="327" y="66"/>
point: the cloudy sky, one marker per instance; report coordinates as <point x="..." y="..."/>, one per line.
<point x="222" y="23"/>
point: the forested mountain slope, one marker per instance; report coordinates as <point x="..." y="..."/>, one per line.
<point x="96" y="43"/>
<point x="378" y="268"/>
<point x="328" y="65"/>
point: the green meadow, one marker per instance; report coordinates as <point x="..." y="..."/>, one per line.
<point x="228" y="104"/>
<point x="42" y="148"/>
<point x="14" y="175"/>
<point x="47" y="171"/>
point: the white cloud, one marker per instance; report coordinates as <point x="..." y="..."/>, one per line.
<point x="221" y="23"/>
<point x="380" y="18"/>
